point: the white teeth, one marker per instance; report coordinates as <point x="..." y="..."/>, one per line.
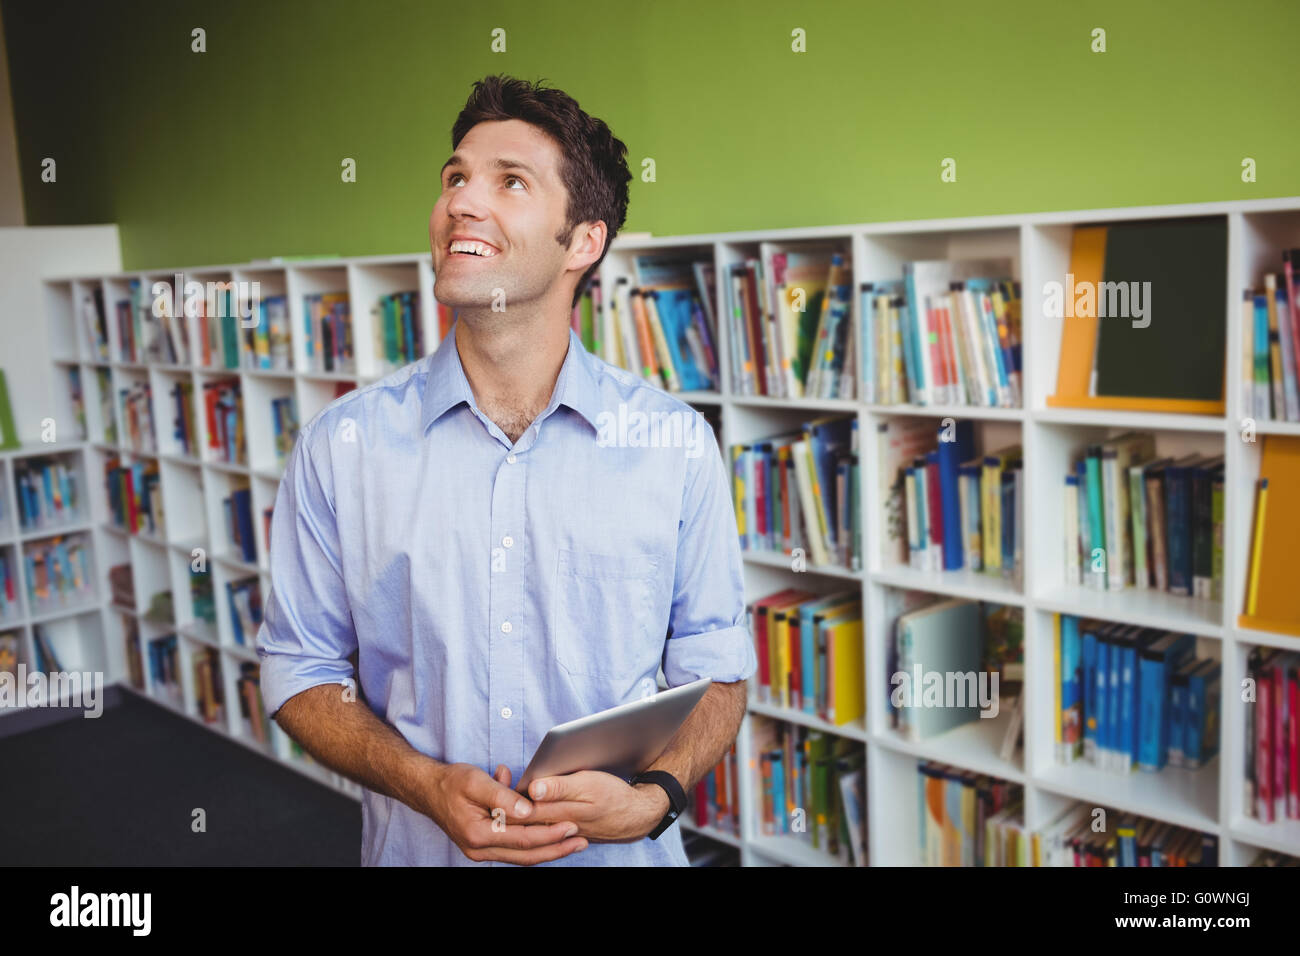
<point x="475" y="248"/>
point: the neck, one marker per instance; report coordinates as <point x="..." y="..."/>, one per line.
<point x="512" y="365"/>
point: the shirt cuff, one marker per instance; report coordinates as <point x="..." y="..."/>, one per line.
<point x="725" y="655"/>
<point x="283" y="676"/>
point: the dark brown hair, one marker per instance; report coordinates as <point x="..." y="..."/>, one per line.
<point x="593" y="167"/>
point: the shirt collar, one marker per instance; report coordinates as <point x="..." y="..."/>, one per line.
<point x="447" y="385"/>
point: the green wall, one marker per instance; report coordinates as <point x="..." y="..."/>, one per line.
<point x="235" y="153"/>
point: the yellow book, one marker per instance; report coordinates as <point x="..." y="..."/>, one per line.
<point x="1079" y="332"/>
<point x="778" y="636"/>
<point x="991" y="499"/>
<point x="738" y="481"/>
<point x="845" y="660"/>
<point x="991" y="513"/>
<point x="1257" y="546"/>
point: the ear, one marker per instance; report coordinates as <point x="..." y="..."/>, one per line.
<point x="588" y="243"/>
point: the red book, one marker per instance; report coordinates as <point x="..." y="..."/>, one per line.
<point x="756" y="330"/>
<point x="934" y="508"/>
<point x="1280" y="763"/>
<point x="938" y="370"/>
<point x="210" y="408"/>
<point x="720" y="791"/>
<point x="1293" y="793"/>
<point x="949" y="354"/>
<point x="759" y="480"/>
<point x="787" y="534"/>
<point x="1290" y="257"/>
<point x="759" y="619"/>
<point x="1264" y="743"/>
<point x="701" y="804"/>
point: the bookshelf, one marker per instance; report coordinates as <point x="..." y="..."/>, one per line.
<point x="193" y="487"/>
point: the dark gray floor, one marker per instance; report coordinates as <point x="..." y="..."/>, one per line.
<point x="121" y="790"/>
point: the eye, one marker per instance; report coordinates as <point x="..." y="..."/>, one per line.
<point x="452" y="176"/>
<point x="518" y="180"/>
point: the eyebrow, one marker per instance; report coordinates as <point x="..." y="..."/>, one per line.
<point x="499" y="163"/>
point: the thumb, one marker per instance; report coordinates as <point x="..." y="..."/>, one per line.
<point x="494" y="792"/>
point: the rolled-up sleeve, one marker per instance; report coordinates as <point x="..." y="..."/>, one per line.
<point x="307" y="632"/>
<point x="708" y="634"/>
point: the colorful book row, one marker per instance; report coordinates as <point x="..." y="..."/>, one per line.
<point x="969" y="819"/>
<point x="800" y="491"/>
<point x="1132" y="520"/>
<point x="1132" y="697"/>
<point x="48" y="493"/>
<point x="812" y="788"/>
<point x="659" y="326"/>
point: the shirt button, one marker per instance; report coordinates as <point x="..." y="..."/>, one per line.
<point x="507" y="713"/>
<point x="505" y="627"/>
<point x="510" y="459"/>
<point x="507" y="542"/>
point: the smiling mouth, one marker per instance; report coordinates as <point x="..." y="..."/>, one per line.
<point x="461" y="249"/>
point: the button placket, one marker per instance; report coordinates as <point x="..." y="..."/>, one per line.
<point x="506" y="617"/>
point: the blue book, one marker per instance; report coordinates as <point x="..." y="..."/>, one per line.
<point x="763" y="466"/>
<point x="922" y="512"/>
<point x="867" y="342"/>
<point x="1088" y="678"/>
<point x="1178" y="522"/>
<point x="778" y="791"/>
<point x="912" y="340"/>
<point x="1159" y="656"/>
<point x="952" y="454"/>
<point x="1201" y="716"/>
<point x="1102" y="690"/>
<point x="1176" y="715"/>
<point x="1263" y="394"/>
<point x="1120" y="643"/>
<point x="751" y="511"/>
<point x="827" y="437"/>
<point x="1071" y="698"/>
<point x="1128" y="688"/>
<point x="808" y="612"/>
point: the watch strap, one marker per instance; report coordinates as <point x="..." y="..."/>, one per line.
<point x="676" y="797"/>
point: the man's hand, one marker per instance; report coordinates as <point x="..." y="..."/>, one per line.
<point x="489" y="821"/>
<point x="605" y="808"/>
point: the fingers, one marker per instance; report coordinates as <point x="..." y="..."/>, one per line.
<point x="545" y="811"/>
<point x="491" y="793"/>
<point x="553" y="788"/>
<point x="502" y="776"/>
<point x="484" y="836"/>
<point x="543" y="854"/>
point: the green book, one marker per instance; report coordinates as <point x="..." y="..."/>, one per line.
<point x="8" y="432"/>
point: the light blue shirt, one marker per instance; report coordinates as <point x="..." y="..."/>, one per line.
<point x="495" y="590"/>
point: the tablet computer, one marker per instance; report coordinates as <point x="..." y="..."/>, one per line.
<point x="623" y="740"/>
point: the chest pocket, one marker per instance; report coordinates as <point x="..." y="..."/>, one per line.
<point x="603" y="609"/>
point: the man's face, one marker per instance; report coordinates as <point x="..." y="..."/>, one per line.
<point x="502" y="187"/>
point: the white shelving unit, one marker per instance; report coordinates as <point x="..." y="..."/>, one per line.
<point x="74" y="623"/>
<point x="1209" y="799"/>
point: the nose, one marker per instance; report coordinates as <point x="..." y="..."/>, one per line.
<point x="466" y="200"/>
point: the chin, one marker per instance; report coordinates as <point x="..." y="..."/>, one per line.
<point x="458" y="296"/>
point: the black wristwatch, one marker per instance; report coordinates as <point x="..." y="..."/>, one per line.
<point x="676" y="797"/>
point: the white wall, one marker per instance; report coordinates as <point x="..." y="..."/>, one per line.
<point x="27" y="255"/>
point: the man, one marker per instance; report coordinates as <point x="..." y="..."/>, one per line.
<point x="495" y="559"/>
